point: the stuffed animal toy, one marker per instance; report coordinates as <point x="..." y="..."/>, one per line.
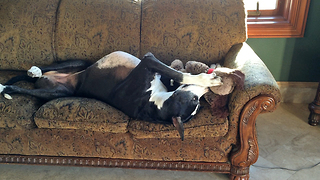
<point x="178" y="65"/>
<point x="217" y="97"/>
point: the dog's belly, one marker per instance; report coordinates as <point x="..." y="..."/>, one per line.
<point x="53" y="79"/>
<point x="102" y="77"/>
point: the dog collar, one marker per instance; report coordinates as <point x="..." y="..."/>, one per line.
<point x="210" y="71"/>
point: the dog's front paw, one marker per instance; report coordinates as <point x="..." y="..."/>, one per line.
<point x="34" y="72"/>
<point x="215" y="66"/>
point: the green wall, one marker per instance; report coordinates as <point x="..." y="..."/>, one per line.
<point x="293" y="59"/>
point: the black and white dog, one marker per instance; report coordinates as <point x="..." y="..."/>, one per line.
<point x="135" y="87"/>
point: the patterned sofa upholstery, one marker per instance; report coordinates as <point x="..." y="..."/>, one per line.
<point x="86" y="132"/>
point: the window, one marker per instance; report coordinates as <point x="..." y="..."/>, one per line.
<point x="262" y="7"/>
<point x="277" y="18"/>
<point x="263" y="4"/>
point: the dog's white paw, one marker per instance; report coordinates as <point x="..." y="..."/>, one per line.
<point x="34" y="72"/>
<point x="2" y="88"/>
<point x="215" y="66"/>
<point x="7" y="96"/>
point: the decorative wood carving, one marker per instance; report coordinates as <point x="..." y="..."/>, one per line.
<point x="314" y="108"/>
<point x="239" y="173"/>
<point x="247" y="151"/>
<point x="239" y="178"/>
<point x="118" y="163"/>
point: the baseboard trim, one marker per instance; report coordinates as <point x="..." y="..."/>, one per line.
<point x="298" y="84"/>
<point x="297" y="92"/>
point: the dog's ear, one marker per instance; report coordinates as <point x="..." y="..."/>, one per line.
<point x="179" y="125"/>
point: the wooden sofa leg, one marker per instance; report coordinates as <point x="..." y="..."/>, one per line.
<point x="247" y="151"/>
<point x="239" y="173"/>
<point x="314" y="107"/>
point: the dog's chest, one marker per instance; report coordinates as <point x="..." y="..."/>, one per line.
<point x="158" y="91"/>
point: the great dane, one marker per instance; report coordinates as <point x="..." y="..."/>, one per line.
<point x="134" y="86"/>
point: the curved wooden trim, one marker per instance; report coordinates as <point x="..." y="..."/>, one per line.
<point x="290" y="23"/>
<point x="247" y="151"/>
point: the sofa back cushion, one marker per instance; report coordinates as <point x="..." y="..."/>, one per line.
<point x="92" y="29"/>
<point x="26" y="28"/>
<point x="34" y="32"/>
<point x="191" y="30"/>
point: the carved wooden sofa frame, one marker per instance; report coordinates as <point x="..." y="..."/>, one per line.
<point x="242" y="158"/>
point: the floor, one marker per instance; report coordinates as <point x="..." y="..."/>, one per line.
<point x="285" y="140"/>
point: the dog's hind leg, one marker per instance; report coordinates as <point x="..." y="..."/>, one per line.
<point x="36" y="72"/>
<point x="20" y="78"/>
<point x="45" y="94"/>
<point x="68" y="66"/>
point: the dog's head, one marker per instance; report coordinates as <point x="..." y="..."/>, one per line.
<point x="183" y="104"/>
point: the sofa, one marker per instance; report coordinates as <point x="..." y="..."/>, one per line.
<point x="86" y="132"/>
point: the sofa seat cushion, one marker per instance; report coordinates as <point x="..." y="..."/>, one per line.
<point x="203" y="124"/>
<point x="81" y="113"/>
<point x="17" y="113"/>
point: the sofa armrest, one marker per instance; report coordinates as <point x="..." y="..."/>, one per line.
<point x="260" y="94"/>
<point x="258" y="79"/>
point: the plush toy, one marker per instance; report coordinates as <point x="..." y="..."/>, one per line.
<point x="178" y="65"/>
<point x="217" y="97"/>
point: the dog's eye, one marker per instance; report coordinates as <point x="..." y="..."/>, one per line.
<point x="195" y="98"/>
